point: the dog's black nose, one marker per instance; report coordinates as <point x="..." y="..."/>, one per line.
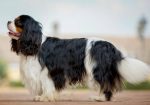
<point x="8" y="22"/>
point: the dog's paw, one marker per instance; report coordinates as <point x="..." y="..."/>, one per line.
<point x="98" y="98"/>
<point x="44" y="98"/>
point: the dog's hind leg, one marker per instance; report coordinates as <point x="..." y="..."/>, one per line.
<point x="103" y="96"/>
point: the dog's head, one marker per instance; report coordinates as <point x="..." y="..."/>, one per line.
<point x="26" y="34"/>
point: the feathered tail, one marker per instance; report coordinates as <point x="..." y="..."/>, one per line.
<point x="133" y="70"/>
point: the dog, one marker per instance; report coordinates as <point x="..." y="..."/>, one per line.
<point x="48" y="65"/>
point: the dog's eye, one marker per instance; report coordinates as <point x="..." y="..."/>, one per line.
<point x="18" y="23"/>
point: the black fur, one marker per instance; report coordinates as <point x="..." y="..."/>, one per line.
<point x="31" y="37"/>
<point x="108" y="95"/>
<point x="106" y="72"/>
<point x="14" y="46"/>
<point x="64" y="60"/>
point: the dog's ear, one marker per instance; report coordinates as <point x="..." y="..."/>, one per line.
<point x="14" y="45"/>
<point x="31" y="38"/>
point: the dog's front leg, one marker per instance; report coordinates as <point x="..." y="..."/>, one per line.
<point x="49" y="92"/>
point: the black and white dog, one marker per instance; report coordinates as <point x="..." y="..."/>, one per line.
<point x="48" y="66"/>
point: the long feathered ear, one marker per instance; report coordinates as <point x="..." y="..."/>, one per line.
<point x="31" y="38"/>
<point x="14" y="45"/>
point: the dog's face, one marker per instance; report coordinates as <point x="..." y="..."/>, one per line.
<point x="19" y="25"/>
<point x="26" y="34"/>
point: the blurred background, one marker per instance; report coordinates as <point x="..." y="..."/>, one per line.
<point x="126" y="23"/>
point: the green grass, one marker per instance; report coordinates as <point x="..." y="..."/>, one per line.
<point x="142" y="86"/>
<point x="16" y="84"/>
<point x="3" y="69"/>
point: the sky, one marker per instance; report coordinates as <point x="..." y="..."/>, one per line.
<point x="114" y="17"/>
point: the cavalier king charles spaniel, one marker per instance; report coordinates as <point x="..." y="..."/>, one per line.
<point x="48" y="65"/>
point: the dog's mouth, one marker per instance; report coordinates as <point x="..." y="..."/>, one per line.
<point x="12" y="33"/>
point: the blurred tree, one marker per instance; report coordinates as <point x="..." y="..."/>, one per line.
<point x="141" y="31"/>
<point x="55" y="28"/>
<point x="3" y="70"/>
<point x="141" y="28"/>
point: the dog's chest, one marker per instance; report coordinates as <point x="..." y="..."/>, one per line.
<point x="30" y="70"/>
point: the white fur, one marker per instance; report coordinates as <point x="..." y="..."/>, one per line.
<point x="30" y="73"/>
<point x="100" y="98"/>
<point x="90" y="64"/>
<point x="13" y="37"/>
<point x="36" y="80"/>
<point x="43" y="38"/>
<point x="12" y="27"/>
<point x="48" y="88"/>
<point x="133" y="70"/>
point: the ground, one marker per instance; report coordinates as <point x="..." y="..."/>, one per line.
<point x="74" y="97"/>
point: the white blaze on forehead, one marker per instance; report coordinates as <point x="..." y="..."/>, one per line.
<point x="12" y="27"/>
